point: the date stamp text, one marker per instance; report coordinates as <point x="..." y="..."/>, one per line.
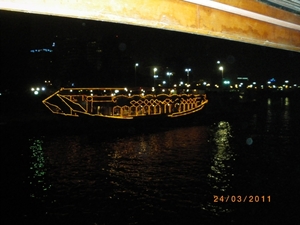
<point x="240" y="198"/>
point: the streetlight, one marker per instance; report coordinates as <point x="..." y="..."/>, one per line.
<point x="222" y="69"/>
<point x="188" y="77"/>
<point x="169" y="74"/>
<point x="154" y="76"/>
<point x="135" y="72"/>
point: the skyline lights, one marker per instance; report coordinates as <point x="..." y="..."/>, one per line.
<point x="37" y="90"/>
<point x="219" y="63"/>
<point x="158" y="79"/>
<point x="41" y="50"/>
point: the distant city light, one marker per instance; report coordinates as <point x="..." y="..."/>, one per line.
<point x="188" y="70"/>
<point x="41" y="50"/>
<point x="242" y="78"/>
<point x="36" y="90"/>
<point x="154" y="76"/>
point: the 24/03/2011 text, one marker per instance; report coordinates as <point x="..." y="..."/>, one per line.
<point x="239" y="198"/>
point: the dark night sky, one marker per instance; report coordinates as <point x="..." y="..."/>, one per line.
<point x="150" y="47"/>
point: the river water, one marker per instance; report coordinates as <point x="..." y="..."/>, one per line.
<point x="239" y="169"/>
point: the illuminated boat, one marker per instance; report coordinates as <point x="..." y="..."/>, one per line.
<point x="125" y="104"/>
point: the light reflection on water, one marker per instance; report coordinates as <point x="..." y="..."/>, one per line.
<point x="159" y="173"/>
<point x="220" y="170"/>
<point x="167" y="176"/>
<point x="173" y="173"/>
<point x="38" y="170"/>
<point x="221" y="173"/>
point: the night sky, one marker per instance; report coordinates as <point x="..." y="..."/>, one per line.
<point x="149" y="47"/>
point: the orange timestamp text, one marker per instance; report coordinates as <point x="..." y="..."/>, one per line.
<point x="240" y="198"/>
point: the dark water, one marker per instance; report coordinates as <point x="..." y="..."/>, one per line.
<point x="166" y="177"/>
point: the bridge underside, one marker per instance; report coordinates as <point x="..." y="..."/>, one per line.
<point x="250" y="21"/>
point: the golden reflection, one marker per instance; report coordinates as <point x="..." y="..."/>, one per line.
<point x="286" y="115"/>
<point x="221" y="175"/>
<point x="140" y="161"/>
<point x="221" y="172"/>
<point x="154" y="144"/>
<point x="286" y="101"/>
